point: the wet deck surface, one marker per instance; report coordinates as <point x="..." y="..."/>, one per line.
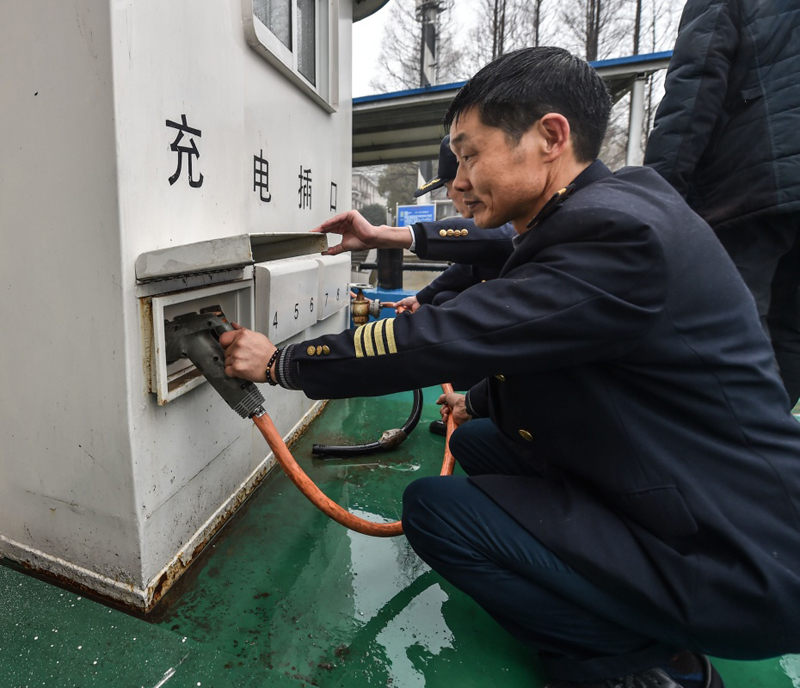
<point x="285" y="597"/>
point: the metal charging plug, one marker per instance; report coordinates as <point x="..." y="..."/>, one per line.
<point x="196" y="336"/>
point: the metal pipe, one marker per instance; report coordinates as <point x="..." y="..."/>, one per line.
<point x="635" y="155"/>
<point x="411" y="267"/>
<point x="390" y="268"/>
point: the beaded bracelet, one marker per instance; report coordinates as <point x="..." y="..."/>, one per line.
<point x="269" y="366"/>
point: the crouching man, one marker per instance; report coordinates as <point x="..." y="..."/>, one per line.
<point x="633" y="476"/>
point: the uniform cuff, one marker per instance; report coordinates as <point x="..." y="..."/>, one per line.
<point x="413" y="247"/>
<point x="469" y="407"/>
<point x="425" y="295"/>
<point x="420" y="240"/>
<point x="287" y="371"/>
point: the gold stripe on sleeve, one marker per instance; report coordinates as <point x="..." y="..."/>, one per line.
<point x="357" y="341"/>
<point x="390" y="336"/>
<point x="368" y="347"/>
<point x="378" y="332"/>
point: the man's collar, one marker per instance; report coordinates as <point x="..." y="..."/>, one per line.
<point x="595" y="172"/>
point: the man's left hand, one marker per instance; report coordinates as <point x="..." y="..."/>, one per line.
<point x="454" y="403"/>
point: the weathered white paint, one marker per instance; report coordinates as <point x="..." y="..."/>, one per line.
<point x="100" y="484"/>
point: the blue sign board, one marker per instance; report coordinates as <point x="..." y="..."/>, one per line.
<point x="409" y="214"/>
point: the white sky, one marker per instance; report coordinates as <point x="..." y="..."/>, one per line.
<point x="367" y="39"/>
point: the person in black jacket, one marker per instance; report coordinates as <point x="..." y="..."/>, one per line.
<point x="475" y="257"/>
<point x="461" y="275"/>
<point x="632" y="497"/>
<point x="726" y="136"/>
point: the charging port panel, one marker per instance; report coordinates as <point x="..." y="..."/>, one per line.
<point x="171" y="380"/>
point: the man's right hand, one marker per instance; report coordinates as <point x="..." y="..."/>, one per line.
<point x="357" y="233"/>
<point x="246" y="354"/>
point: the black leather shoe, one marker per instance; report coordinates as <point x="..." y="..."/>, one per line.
<point x="691" y="670"/>
<point x="652" y="678"/>
<point x="437" y="427"/>
<point x="688" y="670"/>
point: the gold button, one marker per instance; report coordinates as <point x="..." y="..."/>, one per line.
<point x="450" y="232"/>
<point x="501" y="377"/>
<point x="525" y="435"/>
<point x="319" y="350"/>
<point x="457" y="233"/>
<point x="442" y="232"/>
<point x="326" y="349"/>
<point x="464" y="232"/>
<point x="310" y="350"/>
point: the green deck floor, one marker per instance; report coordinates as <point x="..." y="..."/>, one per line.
<point x="284" y="597"/>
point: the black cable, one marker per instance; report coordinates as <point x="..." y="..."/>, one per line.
<point x="388" y="441"/>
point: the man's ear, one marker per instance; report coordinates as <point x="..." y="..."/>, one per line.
<point x="555" y="132"/>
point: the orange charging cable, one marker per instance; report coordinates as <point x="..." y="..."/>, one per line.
<point x="319" y="499"/>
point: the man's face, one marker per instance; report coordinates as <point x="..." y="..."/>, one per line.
<point x="458" y="200"/>
<point x="498" y="182"/>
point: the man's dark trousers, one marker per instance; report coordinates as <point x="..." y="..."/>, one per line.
<point x="581" y="631"/>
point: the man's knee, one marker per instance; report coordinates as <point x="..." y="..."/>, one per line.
<point x="458" y="441"/>
<point x="468" y="444"/>
<point x="417" y="498"/>
<point x="432" y="505"/>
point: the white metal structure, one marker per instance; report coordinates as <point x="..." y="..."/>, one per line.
<point x="129" y="128"/>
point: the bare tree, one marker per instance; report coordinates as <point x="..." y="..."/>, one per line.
<point x="637" y="26"/>
<point x="503" y="26"/>
<point x="400" y="57"/>
<point x="531" y="25"/>
<point x="600" y="29"/>
<point x="659" y="29"/>
<point x="595" y="28"/>
<point x="397" y="183"/>
<point x="498" y="27"/>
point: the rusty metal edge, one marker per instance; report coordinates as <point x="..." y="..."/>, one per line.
<point x="126" y="595"/>
<point x="159" y="586"/>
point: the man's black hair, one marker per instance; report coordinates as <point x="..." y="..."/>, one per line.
<point x="519" y="88"/>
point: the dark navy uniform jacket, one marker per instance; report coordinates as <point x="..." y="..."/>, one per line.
<point x="725" y="134"/>
<point x="635" y="378"/>
<point x="478" y="254"/>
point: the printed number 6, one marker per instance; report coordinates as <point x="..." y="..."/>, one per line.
<point x="296" y="311"/>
